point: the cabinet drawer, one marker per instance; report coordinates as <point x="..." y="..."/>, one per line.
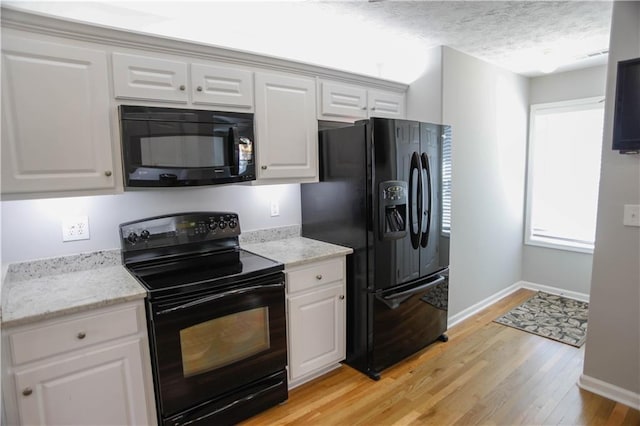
<point x="315" y="275"/>
<point x="79" y="332"/>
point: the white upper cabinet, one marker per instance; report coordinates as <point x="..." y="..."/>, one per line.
<point x="346" y="102"/>
<point x="56" y="133"/>
<point x="341" y="100"/>
<point x="164" y="80"/>
<point x="386" y="104"/>
<point x="286" y="128"/>
<point x="146" y="78"/>
<point x="216" y="85"/>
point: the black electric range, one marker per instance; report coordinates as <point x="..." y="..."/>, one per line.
<point x="216" y="317"/>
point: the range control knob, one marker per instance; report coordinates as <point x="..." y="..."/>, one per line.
<point x="132" y="237"/>
<point x="233" y="223"/>
<point x="222" y="224"/>
<point x="213" y="225"/>
<point x="145" y="234"/>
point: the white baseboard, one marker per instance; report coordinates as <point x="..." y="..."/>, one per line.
<point x="610" y="391"/>
<point x="583" y="297"/>
<point x="474" y="309"/>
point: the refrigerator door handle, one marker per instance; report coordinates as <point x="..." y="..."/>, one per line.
<point x="394" y="300"/>
<point x="415" y="194"/>
<point x="426" y="168"/>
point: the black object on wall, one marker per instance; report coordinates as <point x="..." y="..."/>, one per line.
<point x="626" y="121"/>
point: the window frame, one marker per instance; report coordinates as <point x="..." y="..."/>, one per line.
<point x="446" y="166"/>
<point x="541" y="241"/>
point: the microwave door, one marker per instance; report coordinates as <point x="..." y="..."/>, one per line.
<point x="233" y="143"/>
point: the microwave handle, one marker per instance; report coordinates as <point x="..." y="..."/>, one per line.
<point x="234" y="151"/>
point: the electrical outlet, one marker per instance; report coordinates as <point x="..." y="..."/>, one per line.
<point x="275" y="208"/>
<point x="631" y="215"/>
<point x="75" y="228"/>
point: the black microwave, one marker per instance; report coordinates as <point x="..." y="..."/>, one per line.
<point x="166" y="147"/>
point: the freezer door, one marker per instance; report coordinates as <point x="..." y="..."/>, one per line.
<point x="406" y="319"/>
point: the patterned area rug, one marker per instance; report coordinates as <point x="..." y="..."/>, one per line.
<point x="550" y="316"/>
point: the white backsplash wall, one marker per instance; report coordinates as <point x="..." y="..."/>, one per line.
<point x="32" y="229"/>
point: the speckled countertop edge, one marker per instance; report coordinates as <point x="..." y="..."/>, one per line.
<point x="47" y="288"/>
<point x="36" y="299"/>
<point x="297" y="251"/>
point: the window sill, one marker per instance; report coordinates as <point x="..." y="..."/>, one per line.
<point x="555" y="244"/>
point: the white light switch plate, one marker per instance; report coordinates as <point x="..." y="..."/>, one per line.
<point x="275" y="208"/>
<point x="631" y="215"/>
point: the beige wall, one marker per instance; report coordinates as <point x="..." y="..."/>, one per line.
<point x="487" y="109"/>
<point x="565" y="270"/>
<point x="424" y="96"/>
<point x="612" y="354"/>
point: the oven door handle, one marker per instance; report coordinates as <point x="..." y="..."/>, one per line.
<point x="217" y="296"/>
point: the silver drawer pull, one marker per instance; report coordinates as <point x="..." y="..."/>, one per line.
<point x="318" y="277"/>
<point x="81" y="335"/>
<point x="27" y="391"/>
<point x="107" y="173"/>
<point x="182" y="87"/>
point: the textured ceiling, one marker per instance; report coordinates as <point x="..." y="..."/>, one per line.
<point x="378" y="38"/>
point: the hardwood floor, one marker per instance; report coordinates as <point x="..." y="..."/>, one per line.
<point x="485" y="374"/>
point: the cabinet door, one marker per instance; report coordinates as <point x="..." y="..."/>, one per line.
<point x="146" y="78"/>
<point x="317" y="329"/>
<point x="222" y="86"/>
<point x="102" y="387"/>
<point x="342" y="101"/>
<point x="386" y="104"/>
<point x="286" y="127"/>
<point x="56" y="133"/>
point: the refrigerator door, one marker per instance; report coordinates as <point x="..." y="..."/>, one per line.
<point x="396" y="158"/>
<point x="431" y="244"/>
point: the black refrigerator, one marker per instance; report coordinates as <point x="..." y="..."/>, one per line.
<point x="380" y="193"/>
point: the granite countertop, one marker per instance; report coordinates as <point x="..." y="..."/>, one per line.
<point x="37" y="299"/>
<point x="49" y="288"/>
<point x="297" y="251"/>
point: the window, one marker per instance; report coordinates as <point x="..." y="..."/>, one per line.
<point x="446" y="181"/>
<point x="565" y="142"/>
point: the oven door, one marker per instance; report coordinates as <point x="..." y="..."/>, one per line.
<point x="207" y="345"/>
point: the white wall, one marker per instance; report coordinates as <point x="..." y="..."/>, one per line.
<point x="612" y="354"/>
<point x="487" y="109"/>
<point x="562" y="269"/>
<point x="32" y="229"/>
<point x="424" y="96"/>
<point x="563" y="86"/>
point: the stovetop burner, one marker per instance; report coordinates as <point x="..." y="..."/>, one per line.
<point x="189" y="252"/>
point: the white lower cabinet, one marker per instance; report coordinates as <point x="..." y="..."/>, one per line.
<point x="97" y="372"/>
<point x="316" y="308"/>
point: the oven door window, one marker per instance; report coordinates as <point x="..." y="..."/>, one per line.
<point x="222" y="341"/>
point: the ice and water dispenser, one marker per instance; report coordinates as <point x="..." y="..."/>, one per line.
<point x="393" y="209"/>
